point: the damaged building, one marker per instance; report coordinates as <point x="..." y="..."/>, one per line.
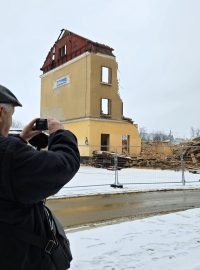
<point x="79" y="86"/>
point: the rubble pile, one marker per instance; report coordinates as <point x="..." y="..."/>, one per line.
<point x="162" y="155"/>
<point x="105" y="159"/>
<point x="158" y="155"/>
<point x="190" y="152"/>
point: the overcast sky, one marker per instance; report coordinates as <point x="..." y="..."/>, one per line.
<point x="156" y="44"/>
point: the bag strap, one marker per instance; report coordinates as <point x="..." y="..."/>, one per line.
<point x="32" y="238"/>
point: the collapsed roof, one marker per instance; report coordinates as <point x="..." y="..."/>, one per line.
<point x="70" y="45"/>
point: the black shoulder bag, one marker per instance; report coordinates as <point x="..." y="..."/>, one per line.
<point x="57" y="246"/>
<point x="54" y="244"/>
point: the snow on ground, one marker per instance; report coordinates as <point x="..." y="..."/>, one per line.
<point x="167" y="242"/>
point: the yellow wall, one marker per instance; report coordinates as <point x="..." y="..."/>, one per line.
<point x="70" y="100"/>
<point x="81" y="130"/>
<point x="81" y="96"/>
<point x="92" y="129"/>
<point x="100" y="90"/>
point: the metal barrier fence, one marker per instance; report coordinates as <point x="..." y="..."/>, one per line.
<point x="122" y="167"/>
<point x="151" y="163"/>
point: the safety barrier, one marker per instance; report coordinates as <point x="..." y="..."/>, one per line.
<point x="135" y="167"/>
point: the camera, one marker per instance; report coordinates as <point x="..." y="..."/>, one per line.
<point x="41" y="124"/>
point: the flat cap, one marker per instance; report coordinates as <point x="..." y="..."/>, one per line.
<point x="6" y="96"/>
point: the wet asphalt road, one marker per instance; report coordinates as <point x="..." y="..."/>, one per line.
<point x="76" y="211"/>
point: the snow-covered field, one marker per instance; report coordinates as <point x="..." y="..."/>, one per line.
<point x="91" y="180"/>
<point x="167" y="242"/>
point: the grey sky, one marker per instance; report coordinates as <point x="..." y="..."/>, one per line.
<point x="156" y="42"/>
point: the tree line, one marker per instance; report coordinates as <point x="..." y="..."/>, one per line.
<point x="162" y="136"/>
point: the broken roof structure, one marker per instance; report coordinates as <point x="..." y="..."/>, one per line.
<point x="70" y="45"/>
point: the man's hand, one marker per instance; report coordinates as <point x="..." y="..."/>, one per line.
<point x="54" y="125"/>
<point x="28" y="131"/>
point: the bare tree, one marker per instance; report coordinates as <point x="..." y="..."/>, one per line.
<point x="155" y="136"/>
<point x="195" y="132"/>
<point x="143" y="134"/>
<point x="192" y="132"/>
<point x="159" y="136"/>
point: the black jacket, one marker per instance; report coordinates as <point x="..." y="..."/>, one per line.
<point x="28" y="176"/>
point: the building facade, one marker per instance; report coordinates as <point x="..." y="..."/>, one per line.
<point x="79" y="87"/>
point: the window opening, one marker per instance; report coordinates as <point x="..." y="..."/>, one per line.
<point x="105" y="138"/>
<point x="125" y="144"/>
<point x="63" y="51"/>
<point x="105" y="106"/>
<point x="106" y="75"/>
<point x="53" y="53"/>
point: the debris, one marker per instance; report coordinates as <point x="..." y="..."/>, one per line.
<point x="105" y="159"/>
<point x="162" y="155"/>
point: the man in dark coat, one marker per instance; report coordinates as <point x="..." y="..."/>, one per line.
<point x="27" y="177"/>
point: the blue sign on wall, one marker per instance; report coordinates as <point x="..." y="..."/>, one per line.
<point x="62" y="81"/>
